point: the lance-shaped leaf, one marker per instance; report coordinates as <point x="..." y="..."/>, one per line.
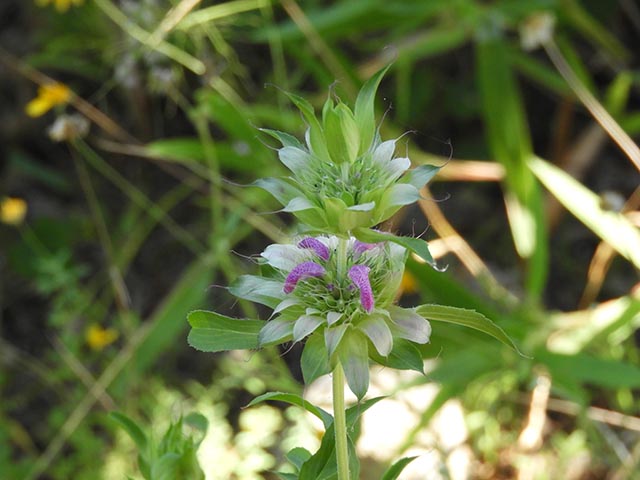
<point x="416" y="245"/>
<point x="293" y="399"/>
<point x="305" y="325"/>
<point x="286" y="139"/>
<point x="275" y="332"/>
<point x="354" y="357"/>
<point x="315" y="359"/>
<point x="403" y="356"/>
<point x="466" y="318"/>
<point x="258" y="289"/>
<point x="377" y="330"/>
<point x="341" y="134"/>
<point x="279" y="188"/>
<point x="410" y="325"/>
<point x="395" y="470"/>
<point x="420" y="176"/>
<point x="365" y="110"/>
<point x="295" y="159"/>
<point x="212" y="332"/>
<point x="316" y="137"/>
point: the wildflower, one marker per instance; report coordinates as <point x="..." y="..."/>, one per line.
<point x="13" y="210"/>
<point x="339" y="290"/>
<point x="68" y="127"/>
<point x="537" y="30"/>
<point x="61" y="5"/>
<point x="49" y="96"/>
<point x="98" y="337"/>
<point x="344" y="176"/>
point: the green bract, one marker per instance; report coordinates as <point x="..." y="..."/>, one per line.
<point x="344" y="176"/>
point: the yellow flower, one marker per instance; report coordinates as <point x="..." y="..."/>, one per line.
<point x="97" y="337"/>
<point x="48" y="97"/>
<point x="61" y="5"/>
<point x="12" y="210"/>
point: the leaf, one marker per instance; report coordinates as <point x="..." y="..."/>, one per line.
<point x="297" y="456"/>
<point x="280" y="189"/>
<point x="258" y="289"/>
<point x="213" y="332"/>
<point x="354" y="357"/>
<point x="403" y="356"/>
<point x="132" y="428"/>
<point x="395" y="470"/>
<point x="377" y="330"/>
<point x="293" y="399"/>
<point x="410" y="325"/>
<point x="416" y="245"/>
<point x="612" y="227"/>
<point x="316" y="136"/>
<point x="166" y="467"/>
<point x="364" y="110"/>
<point x="466" y="318"/>
<point x="275" y="332"/>
<point x="285" y="139"/>
<point x="315" y="360"/>
<point x="420" y="175"/>
<point x="305" y="325"/>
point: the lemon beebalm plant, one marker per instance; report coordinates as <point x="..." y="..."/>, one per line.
<point x="333" y="288"/>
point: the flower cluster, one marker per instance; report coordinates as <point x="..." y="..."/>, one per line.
<point x="344" y="176"/>
<point x="342" y="291"/>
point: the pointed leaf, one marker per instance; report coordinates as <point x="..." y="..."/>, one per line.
<point x="365" y="110"/>
<point x="293" y="399"/>
<point x="280" y="189"/>
<point x="284" y="138"/>
<point x="376" y="329"/>
<point x="416" y="245"/>
<point x="132" y="428"/>
<point x="403" y="356"/>
<point x="315" y="359"/>
<point x="354" y="357"/>
<point x="297" y="456"/>
<point x="305" y="325"/>
<point x="295" y="159"/>
<point x="395" y="470"/>
<point x="316" y="136"/>
<point x="466" y="318"/>
<point x="420" y="176"/>
<point x="333" y="336"/>
<point x="275" y="332"/>
<point x="212" y="332"/>
<point x="410" y="325"/>
<point x="258" y="289"/>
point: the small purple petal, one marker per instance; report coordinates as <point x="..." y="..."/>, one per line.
<point x="359" y="275"/>
<point x="301" y="271"/>
<point x="317" y="246"/>
<point x="361" y="247"/>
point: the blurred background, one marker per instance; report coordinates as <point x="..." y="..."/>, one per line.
<point x="127" y="129"/>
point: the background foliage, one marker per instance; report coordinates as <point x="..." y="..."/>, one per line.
<point x="128" y="229"/>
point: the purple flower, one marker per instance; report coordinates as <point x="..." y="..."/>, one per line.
<point x="359" y="275"/>
<point x="300" y="272"/>
<point x="317" y="246"/>
<point x="361" y="247"/>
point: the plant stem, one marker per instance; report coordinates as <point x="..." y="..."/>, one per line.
<point x="340" y="423"/>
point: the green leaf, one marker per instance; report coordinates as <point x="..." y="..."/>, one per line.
<point x="354" y="357"/>
<point x="466" y="318"/>
<point x="416" y="245"/>
<point x="316" y="136"/>
<point x="286" y="476"/>
<point x="279" y="188"/>
<point x="420" y="176"/>
<point x="293" y="399"/>
<point x="275" y="332"/>
<point x="365" y="110"/>
<point x="132" y="428"/>
<point x="612" y="227"/>
<point x="341" y="134"/>
<point x="212" y="332"/>
<point x="315" y="359"/>
<point x="395" y="470"/>
<point x="297" y="456"/>
<point x="285" y="139"/>
<point x="258" y="289"/>
<point x="166" y="467"/>
<point x="404" y="356"/>
<point x="585" y="368"/>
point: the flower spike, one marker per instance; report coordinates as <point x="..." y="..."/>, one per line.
<point x="300" y="272"/>
<point x="359" y="275"/>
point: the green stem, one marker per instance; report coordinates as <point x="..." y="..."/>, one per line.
<point x="340" y="423"/>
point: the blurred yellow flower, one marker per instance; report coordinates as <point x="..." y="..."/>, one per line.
<point x="12" y="210"/>
<point x="48" y="97"/>
<point x="61" y="5"/>
<point x="408" y="285"/>
<point x="97" y="337"/>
